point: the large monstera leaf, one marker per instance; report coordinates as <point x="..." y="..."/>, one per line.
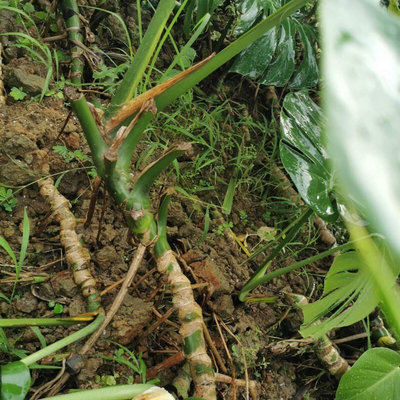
<point x="272" y="59"/>
<point x="375" y="375"/>
<point x="349" y="295"/>
<point x="304" y="156"/>
<point x="362" y="100"/>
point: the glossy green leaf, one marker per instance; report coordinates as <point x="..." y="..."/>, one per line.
<point x="362" y="100"/>
<point x="250" y="10"/>
<point x="282" y="67"/>
<point x="272" y="59"/>
<point x="307" y="74"/>
<point x="303" y="155"/>
<point x="349" y="293"/>
<point x="375" y="375"/>
<point x="253" y="60"/>
<point x="15" y="381"/>
<point x="313" y="188"/>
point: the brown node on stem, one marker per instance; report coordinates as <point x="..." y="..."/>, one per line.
<point x="111" y="154"/>
<point x="133" y="105"/>
<point x="71" y="93"/>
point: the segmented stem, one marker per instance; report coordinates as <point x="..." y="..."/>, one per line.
<point x="325" y="349"/>
<point x="77" y="256"/>
<point x="70" y="12"/>
<point x="191" y="331"/>
<point x="189" y="312"/>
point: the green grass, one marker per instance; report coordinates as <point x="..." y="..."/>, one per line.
<point x="221" y="147"/>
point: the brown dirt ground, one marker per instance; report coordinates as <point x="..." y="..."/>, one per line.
<point x="217" y="261"/>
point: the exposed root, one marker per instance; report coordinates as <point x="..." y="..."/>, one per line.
<point x="325" y="349"/>
<point x="191" y="319"/>
<point x="76" y="255"/>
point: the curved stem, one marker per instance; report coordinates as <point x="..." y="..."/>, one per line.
<point x="303" y="263"/>
<point x="52" y="348"/>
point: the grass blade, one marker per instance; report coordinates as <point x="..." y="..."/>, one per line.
<point x="25" y="239"/>
<point x="228" y="201"/>
<point x="133" y="76"/>
<point x="4" y="244"/>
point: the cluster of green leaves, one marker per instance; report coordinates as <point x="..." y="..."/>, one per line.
<point x="69" y="155"/>
<point x="45" y="16"/>
<point x="274" y="58"/>
<point x="6" y="198"/>
<point x="124" y="356"/>
<point x="22" y="254"/>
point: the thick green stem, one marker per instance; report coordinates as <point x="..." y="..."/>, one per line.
<point x="299" y="264"/>
<point x="137" y="202"/>
<point x="162" y="245"/>
<point x="255" y="279"/>
<point x="52" y="348"/>
<point x="91" y="131"/>
<point x="120" y="392"/>
<point x="79" y="105"/>
<point x="189" y="312"/>
<point x="71" y="17"/>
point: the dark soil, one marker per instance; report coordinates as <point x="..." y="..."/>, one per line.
<point x="217" y="261"/>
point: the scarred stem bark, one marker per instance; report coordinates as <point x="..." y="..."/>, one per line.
<point x="78" y="258"/>
<point x="191" y="331"/>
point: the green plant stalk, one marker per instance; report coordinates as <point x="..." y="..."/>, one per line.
<point x="92" y="134"/>
<point x="76" y="255"/>
<point x="22" y="322"/>
<point x="253" y="283"/>
<point x="162" y="245"/>
<point x="139" y="12"/>
<point x="255" y="279"/>
<point x="326" y="351"/>
<point x="189" y="312"/>
<point x="381" y="273"/>
<point x="167" y="97"/>
<point x="79" y="105"/>
<point x="134" y="196"/>
<point x="119" y="392"/>
<point x="52" y="348"/>
<point x="70" y="12"/>
<point x="133" y="76"/>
